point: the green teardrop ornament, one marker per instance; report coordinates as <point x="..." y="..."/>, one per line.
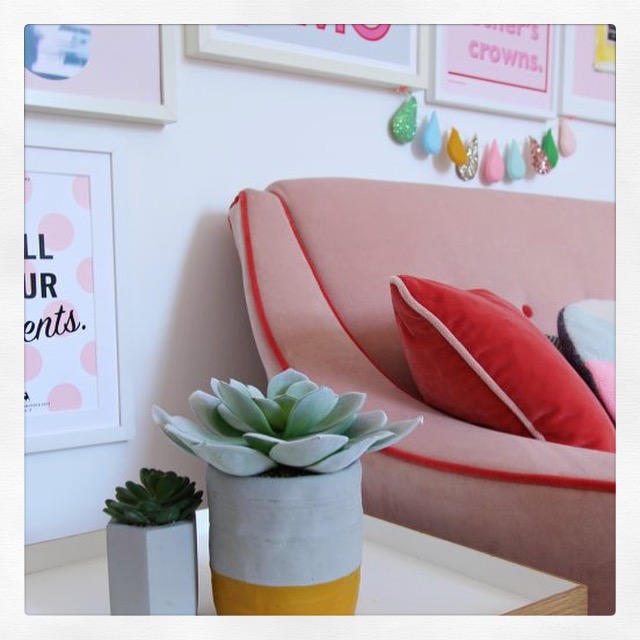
<point x="404" y="122"/>
<point x="550" y="149"/>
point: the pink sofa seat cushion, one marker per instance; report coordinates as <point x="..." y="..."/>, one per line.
<point x="475" y="356"/>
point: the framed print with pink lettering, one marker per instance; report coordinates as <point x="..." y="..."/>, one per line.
<point x="503" y="68"/>
<point x="71" y="390"/>
<point x="589" y="72"/>
<point x="390" y="55"/>
<point x="114" y="71"/>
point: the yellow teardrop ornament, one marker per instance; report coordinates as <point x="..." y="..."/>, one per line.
<point x="456" y="149"/>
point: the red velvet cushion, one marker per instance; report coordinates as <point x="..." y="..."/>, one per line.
<point x="475" y="356"/>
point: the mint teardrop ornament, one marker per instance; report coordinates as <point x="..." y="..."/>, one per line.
<point x="431" y="139"/>
<point x="515" y="166"/>
<point x="404" y="122"/>
<point x="550" y="149"/>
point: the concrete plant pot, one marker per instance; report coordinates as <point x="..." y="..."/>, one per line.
<point x="153" y="570"/>
<point x="285" y="545"/>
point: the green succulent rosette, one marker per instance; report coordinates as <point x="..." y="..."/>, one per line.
<point x="296" y="424"/>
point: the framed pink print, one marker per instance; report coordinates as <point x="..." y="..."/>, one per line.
<point x="496" y="67"/>
<point x="113" y="71"/>
<point x="71" y="381"/>
<point x="387" y="55"/>
<point x="589" y="77"/>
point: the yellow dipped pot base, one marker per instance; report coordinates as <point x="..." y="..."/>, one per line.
<point x="235" y="597"/>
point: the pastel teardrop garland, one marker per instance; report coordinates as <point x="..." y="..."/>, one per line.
<point x="542" y="157"/>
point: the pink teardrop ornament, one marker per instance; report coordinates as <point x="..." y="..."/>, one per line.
<point x="566" y="139"/>
<point x="493" y="164"/>
<point x="539" y="160"/>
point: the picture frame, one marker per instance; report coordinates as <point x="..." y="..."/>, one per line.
<point x="73" y="392"/>
<point x="380" y="55"/>
<point x="80" y="74"/>
<point x="587" y="93"/>
<point x="510" y="69"/>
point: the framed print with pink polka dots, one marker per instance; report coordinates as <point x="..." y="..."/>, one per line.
<point x="71" y="381"/>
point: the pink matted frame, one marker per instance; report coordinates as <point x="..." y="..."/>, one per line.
<point x="124" y="58"/>
<point x="511" y="69"/>
<point x="586" y="93"/>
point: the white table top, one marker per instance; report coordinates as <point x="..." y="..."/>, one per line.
<point x="403" y="572"/>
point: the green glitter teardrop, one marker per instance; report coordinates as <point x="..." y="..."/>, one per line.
<point x="550" y="149"/>
<point x="404" y="122"/>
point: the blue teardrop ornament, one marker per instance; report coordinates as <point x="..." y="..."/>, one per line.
<point x="431" y="139"/>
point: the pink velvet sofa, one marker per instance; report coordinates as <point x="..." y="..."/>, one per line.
<point x="317" y="256"/>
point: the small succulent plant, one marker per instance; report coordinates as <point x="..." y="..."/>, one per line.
<point x="162" y="497"/>
<point x="296" y="424"/>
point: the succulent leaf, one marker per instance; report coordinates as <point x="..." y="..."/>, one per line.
<point x="124" y="495"/>
<point x="232" y="420"/>
<point x="286" y="403"/>
<point x="279" y="383"/>
<point x="273" y="412"/>
<point x="368" y="422"/>
<point x="261" y="442"/>
<point x="301" y="388"/>
<point x="242" y="405"/>
<point x="308" y="411"/>
<point x="204" y="407"/>
<point x="348" y="454"/>
<point x="307" y="451"/>
<point x="399" y="430"/>
<point x="238" y="461"/>
<point x="249" y="390"/>
<point x="191" y="432"/>
<point x="137" y="490"/>
<point x="346" y="407"/>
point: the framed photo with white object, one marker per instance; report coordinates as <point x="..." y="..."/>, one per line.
<point x="388" y="55"/>
<point x="500" y="68"/>
<point x="114" y="71"/>
<point x="589" y="72"/>
<point x="71" y="365"/>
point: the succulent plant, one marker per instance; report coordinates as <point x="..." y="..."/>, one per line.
<point x="296" y="424"/>
<point x="162" y="497"/>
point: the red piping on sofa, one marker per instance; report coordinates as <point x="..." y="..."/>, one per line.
<point x="253" y="279"/>
<point x="412" y="458"/>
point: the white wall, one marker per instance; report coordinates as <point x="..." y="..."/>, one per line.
<point x="181" y="310"/>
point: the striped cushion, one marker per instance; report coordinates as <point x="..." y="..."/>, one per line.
<point x="587" y="335"/>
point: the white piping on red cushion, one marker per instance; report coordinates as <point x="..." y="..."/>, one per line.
<point x="482" y="373"/>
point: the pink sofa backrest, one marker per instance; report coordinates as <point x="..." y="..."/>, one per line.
<point x="538" y="252"/>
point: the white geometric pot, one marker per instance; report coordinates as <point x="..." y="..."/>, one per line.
<point x="285" y="545"/>
<point x="153" y="570"/>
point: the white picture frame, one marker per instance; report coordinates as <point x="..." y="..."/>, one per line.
<point x="42" y="96"/>
<point x="480" y="74"/>
<point x="594" y="98"/>
<point x="91" y="293"/>
<point x="341" y="52"/>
